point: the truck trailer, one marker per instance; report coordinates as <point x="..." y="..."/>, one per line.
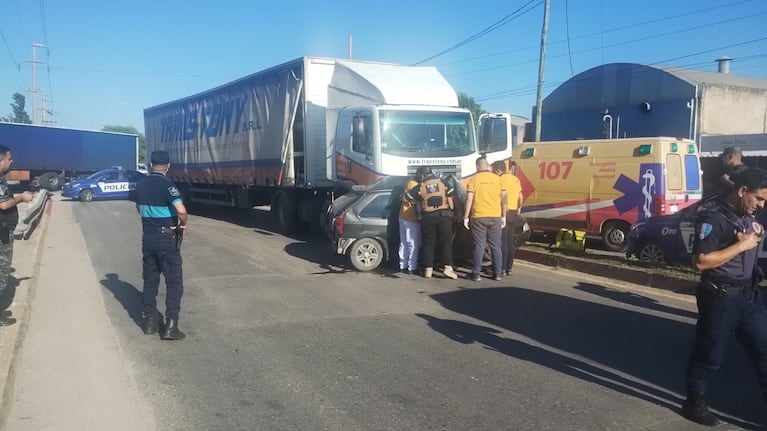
<point x="294" y="135"/>
<point x="48" y="156"/>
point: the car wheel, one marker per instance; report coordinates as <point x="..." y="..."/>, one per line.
<point x="366" y="254"/>
<point x="86" y="195"/>
<point x="651" y="252"/>
<point x="615" y="236"/>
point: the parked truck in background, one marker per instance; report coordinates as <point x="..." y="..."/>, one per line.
<point x="295" y="134"/>
<point x="48" y="156"/>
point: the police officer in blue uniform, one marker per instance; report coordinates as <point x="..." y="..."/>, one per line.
<point x="163" y="218"/>
<point x="725" y="249"/>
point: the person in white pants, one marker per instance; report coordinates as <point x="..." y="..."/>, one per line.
<point x="409" y="233"/>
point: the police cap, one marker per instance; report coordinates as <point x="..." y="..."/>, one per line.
<point x="160" y="158"/>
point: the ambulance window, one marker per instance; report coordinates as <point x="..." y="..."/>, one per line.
<point x="692" y="172"/>
<point x="674" y="172"/>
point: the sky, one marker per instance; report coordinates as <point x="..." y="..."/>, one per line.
<point x="104" y="62"/>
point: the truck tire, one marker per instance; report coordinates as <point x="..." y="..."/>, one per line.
<point x="50" y="181"/>
<point x="284" y="212"/>
<point x="86" y="195"/>
<point x="366" y="254"/>
<point x="615" y="235"/>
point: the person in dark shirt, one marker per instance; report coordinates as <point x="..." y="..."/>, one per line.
<point x="163" y="219"/>
<point x="9" y="218"/>
<point x="732" y="163"/>
<point x="725" y="250"/>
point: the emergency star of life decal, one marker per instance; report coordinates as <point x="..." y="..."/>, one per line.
<point x="704" y="230"/>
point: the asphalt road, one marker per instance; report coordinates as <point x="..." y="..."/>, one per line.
<point x="281" y="336"/>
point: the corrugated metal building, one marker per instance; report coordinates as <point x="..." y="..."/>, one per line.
<point x="716" y="109"/>
<point x="631" y="100"/>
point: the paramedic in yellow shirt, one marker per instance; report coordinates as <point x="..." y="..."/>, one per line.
<point x="485" y="217"/>
<point x="514" y="205"/>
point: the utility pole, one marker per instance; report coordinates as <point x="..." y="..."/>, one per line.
<point x="541" y="61"/>
<point x="45" y="110"/>
<point x="33" y="90"/>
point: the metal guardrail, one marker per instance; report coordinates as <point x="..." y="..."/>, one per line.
<point x="30" y="217"/>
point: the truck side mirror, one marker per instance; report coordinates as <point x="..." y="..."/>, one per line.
<point x="486" y="140"/>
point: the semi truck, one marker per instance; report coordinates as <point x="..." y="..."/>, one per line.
<point x="294" y="135"/>
<point x="47" y="157"/>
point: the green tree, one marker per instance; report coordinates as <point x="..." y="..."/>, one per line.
<point x="132" y="131"/>
<point x="467" y="102"/>
<point x="19" y="115"/>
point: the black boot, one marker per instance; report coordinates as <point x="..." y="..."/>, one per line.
<point x="151" y="325"/>
<point x="696" y="410"/>
<point x="171" y="331"/>
<point x="6" y="320"/>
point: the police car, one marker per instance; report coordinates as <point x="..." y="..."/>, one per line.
<point x="668" y="239"/>
<point x="113" y="183"/>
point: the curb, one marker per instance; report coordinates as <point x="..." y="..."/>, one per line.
<point x="21" y="308"/>
<point x="642" y="278"/>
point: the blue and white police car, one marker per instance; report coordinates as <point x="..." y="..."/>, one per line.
<point x="668" y="239"/>
<point x="113" y="183"/>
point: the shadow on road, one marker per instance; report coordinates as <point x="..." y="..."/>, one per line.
<point x="9" y="293"/>
<point x="631" y="298"/>
<point x="127" y="295"/>
<point x="637" y="354"/>
<point x="258" y="219"/>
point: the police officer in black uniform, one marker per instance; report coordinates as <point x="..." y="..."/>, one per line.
<point x="725" y="249"/>
<point x="163" y="218"/>
<point x="434" y="205"/>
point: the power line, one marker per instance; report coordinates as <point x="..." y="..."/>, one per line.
<point x="617" y="43"/>
<point x="47" y="49"/>
<point x="21" y="24"/>
<point x="601" y="32"/>
<point x="530" y="89"/>
<point x="13" y="59"/>
<point x="498" y="24"/>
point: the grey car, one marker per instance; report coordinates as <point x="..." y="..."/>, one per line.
<point x="363" y="224"/>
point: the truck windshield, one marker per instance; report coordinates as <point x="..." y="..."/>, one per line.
<point x="425" y="134"/>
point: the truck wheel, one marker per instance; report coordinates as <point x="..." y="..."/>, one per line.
<point x="50" y="181"/>
<point x="651" y="252"/>
<point x="615" y="235"/>
<point x="284" y="213"/>
<point x="86" y="195"/>
<point x="366" y="254"/>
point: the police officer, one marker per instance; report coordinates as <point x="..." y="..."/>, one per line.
<point x="9" y="218"/>
<point x="725" y="250"/>
<point x="163" y="217"/>
<point x="434" y="201"/>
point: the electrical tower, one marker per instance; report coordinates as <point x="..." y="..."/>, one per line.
<point x="33" y="90"/>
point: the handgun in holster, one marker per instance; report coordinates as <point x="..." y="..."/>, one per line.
<point x="179" y="235"/>
<point x="709" y="286"/>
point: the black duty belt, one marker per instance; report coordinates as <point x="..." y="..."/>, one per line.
<point x="160" y="229"/>
<point x="730" y="287"/>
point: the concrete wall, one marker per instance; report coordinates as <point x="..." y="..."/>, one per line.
<point x="727" y="110"/>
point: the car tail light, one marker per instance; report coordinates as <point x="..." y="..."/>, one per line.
<point x="659" y="205"/>
<point x="338" y="225"/>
